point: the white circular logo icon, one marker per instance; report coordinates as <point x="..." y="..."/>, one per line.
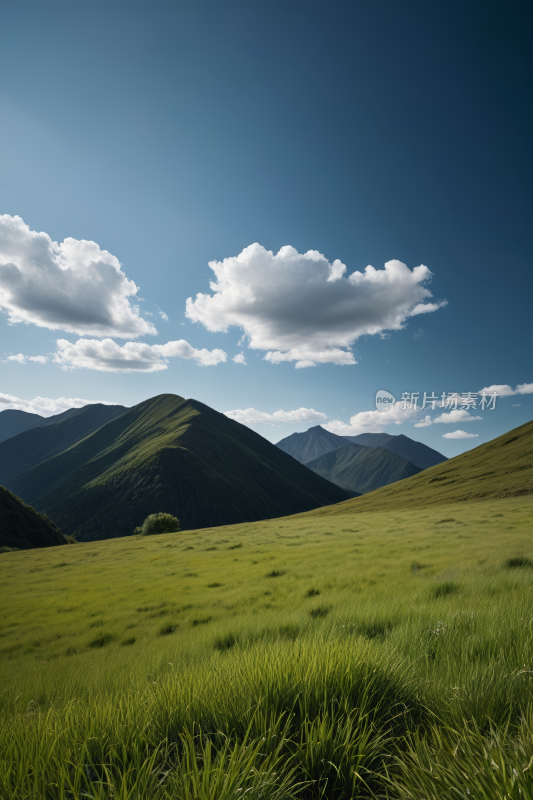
<point x="384" y="400"/>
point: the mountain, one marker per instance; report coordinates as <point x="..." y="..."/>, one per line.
<point x="13" y="422"/>
<point x="38" y="443"/>
<point x="165" y="454"/>
<point x="362" y="469"/>
<point x="416" y="452"/>
<point x="311" y="444"/>
<point x="21" y="527"/>
<point x="316" y="441"/>
<point x="502" y="467"/>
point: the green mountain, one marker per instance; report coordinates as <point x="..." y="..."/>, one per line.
<point x="416" y="452"/>
<point x="362" y="469"/>
<point x="22" y="527"/>
<point x="502" y="467"/>
<point x="311" y="444"/>
<point x="165" y="454"/>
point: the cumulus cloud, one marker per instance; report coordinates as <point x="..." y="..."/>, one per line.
<point x="460" y="435"/>
<point x="239" y="358"/>
<point x="250" y="416"/>
<point x="73" y="286"/>
<point x="107" y="356"/>
<point x="299" y="307"/>
<point x="504" y="390"/>
<point x="46" y="406"/>
<point x="423" y="423"/>
<point x="22" y="359"/>
<point x="373" y="421"/>
<point x="456" y="415"/>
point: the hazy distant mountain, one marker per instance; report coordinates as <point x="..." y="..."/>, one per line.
<point x="416" y="452"/>
<point x="22" y="527"/>
<point x="166" y="454"/>
<point x="362" y="469"/>
<point x="311" y="444"/>
<point x="39" y="442"/>
<point x="13" y="422"/>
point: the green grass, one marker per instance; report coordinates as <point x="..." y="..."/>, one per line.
<point x="313" y="660"/>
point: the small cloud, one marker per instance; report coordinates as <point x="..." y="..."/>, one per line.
<point x="304" y="364"/>
<point x="460" y="435"/>
<point x="517" y="405"/>
<point x="250" y="416"/>
<point x="423" y="423"/>
<point x="456" y="415"/>
<point x="239" y="358"/>
<point x="163" y="315"/>
<point x="419" y="333"/>
<point x="22" y="359"/>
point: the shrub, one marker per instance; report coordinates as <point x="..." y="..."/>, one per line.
<point x="159" y="523"/>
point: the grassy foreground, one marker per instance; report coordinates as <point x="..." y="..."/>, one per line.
<point x="384" y="653"/>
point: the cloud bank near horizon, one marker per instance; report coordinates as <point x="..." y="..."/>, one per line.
<point x="46" y="406"/>
<point x="251" y="416"/>
<point x="298" y="307"/>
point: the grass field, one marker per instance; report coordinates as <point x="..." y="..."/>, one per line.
<point x="383" y="653"/>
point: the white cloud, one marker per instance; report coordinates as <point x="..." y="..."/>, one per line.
<point x="460" y="435"/>
<point x="501" y="389"/>
<point x="517" y="405"/>
<point x="456" y="415"/>
<point x="250" y="416"/>
<point x="46" y="406"/>
<point x="423" y="423"/>
<point x="504" y="390"/>
<point x="107" y="356"/>
<point x="299" y="307"/>
<point x="239" y="358"/>
<point x="73" y="286"/>
<point x="374" y="421"/>
<point x="22" y="359"/>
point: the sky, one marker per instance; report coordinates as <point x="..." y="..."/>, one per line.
<point x="277" y="208"/>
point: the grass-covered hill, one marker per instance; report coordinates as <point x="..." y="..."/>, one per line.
<point x="21" y="527"/>
<point x="502" y="467"/>
<point x="362" y="469"/>
<point x="165" y="454"/>
<point x="361" y="651"/>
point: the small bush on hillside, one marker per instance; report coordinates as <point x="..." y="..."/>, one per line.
<point x="159" y="523"/>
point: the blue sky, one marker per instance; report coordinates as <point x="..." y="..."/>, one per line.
<point x="174" y="134"/>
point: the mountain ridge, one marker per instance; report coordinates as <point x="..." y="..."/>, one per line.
<point x="166" y="454"/>
<point x="362" y="469"/>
